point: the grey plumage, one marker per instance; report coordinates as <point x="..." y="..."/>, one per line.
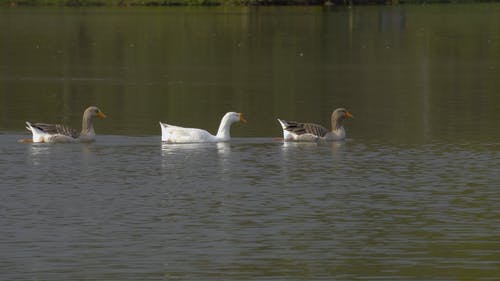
<point x="305" y="128"/>
<point x="299" y="131"/>
<point x="55" y="129"/>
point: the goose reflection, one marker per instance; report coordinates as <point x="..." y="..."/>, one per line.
<point x="195" y="154"/>
<point x="290" y="147"/>
<point x="224" y="158"/>
<point x="336" y="146"/>
<point x="300" y="158"/>
<point x="224" y="149"/>
<point x="169" y="149"/>
<point x="296" y="147"/>
<point x="39" y="153"/>
<point x="175" y="154"/>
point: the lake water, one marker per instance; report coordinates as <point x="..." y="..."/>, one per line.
<point x="412" y="194"/>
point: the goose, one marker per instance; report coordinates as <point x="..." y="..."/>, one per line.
<point x="296" y="131"/>
<point x="55" y="133"/>
<point x="176" y="134"/>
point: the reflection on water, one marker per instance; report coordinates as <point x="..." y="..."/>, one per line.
<point x="224" y="160"/>
<point x="194" y="156"/>
<point x="224" y="149"/>
<point x="413" y="73"/>
<point x="39" y="153"/>
<point x="170" y="151"/>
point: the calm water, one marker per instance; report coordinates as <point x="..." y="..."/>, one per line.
<point x="411" y="195"/>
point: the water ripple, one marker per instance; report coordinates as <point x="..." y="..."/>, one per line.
<point x="133" y="208"/>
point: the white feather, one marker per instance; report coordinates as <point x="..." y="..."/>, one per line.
<point x="287" y="135"/>
<point x="38" y="135"/>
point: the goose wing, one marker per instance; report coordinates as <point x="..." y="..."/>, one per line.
<point x="305" y="128"/>
<point x="56" y="129"/>
<point x="176" y="134"/>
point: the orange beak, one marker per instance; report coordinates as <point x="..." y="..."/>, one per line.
<point x="242" y="120"/>
<point x="348" y="115"/>
<point x="101" y="115"/>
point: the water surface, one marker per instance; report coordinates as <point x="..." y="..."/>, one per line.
<point x="131" y="208"/>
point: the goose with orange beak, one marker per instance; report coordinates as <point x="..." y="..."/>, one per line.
<point x="297" y="131"/>
<point x="176" y="134"/>
<point x="54" y="133"/>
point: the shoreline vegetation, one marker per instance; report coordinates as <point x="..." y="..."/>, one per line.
<point x="124" y="3"/>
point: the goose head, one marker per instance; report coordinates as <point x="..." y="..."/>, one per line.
<point x="88" y="119"/>
<point x="338" y="117"/>
<point x="92" y="112"/>
<point x="233" y="117"/>
<point x="225" y="124"/>
<point x="341" y="114"/>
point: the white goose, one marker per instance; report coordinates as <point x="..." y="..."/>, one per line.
<point x="176" y="134"/>
<point x="296" y="131"/>
<point x="59" y="133"/>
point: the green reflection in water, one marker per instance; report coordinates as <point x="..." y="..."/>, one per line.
<point x="408" y="73"/>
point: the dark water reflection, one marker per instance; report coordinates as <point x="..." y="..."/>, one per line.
<point x="410" y="73"/>
<point x="411" y="195"/>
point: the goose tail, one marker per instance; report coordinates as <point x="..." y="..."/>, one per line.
<point x="29" y="127"/>
<point x="164" y="132"/>
<point x="38" y="135"/>
<point x="283" y="123"/>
